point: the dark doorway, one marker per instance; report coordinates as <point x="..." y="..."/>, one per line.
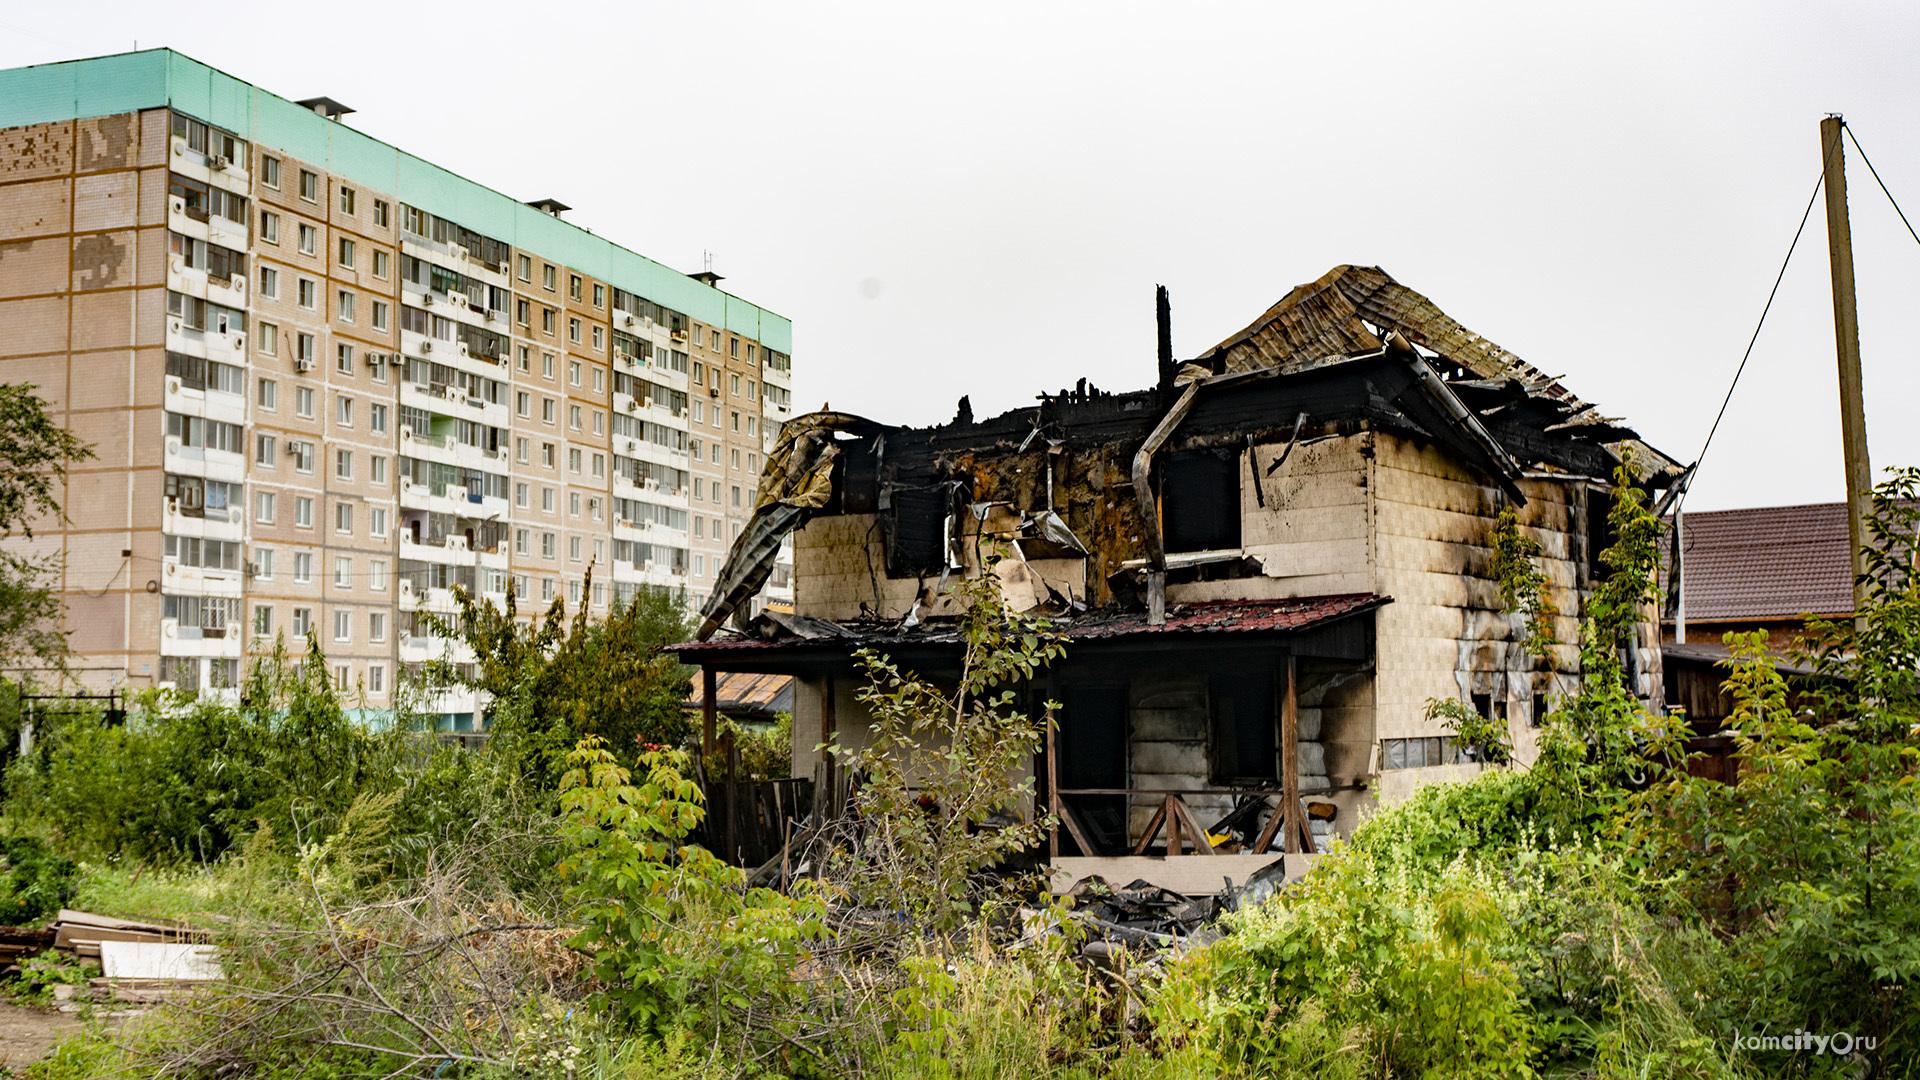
<point x="1093" y="754"/>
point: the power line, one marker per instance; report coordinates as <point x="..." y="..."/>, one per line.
<point x="1744" y="357"/>
<point x="1883" y="184"/>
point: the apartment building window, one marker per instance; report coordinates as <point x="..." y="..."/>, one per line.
<point x="309" y="294"/>
<point x="377" y="521"/>
<point x="699" y="566"/>
<point x="343" y="572"/>
<point x="377" y="473"/>
<point x="593" y="511"/>
<point x="733" y="347"/>
<point x="301" y="451"/>
<point x="573" y="461"/>
<point x="546" y="589"/>
<point x="546" y="364"/>
<point x="734" y="417"/>
<point x="309" y="240"/>
<point x="270" y="171"/>
<point x="520" y="451"/>
<point x="753" y="422"/>
<point x="263" y="620"/>
<point x="599" y="340"/>
<point x="599" y="465"/>
<point x="546" y="454"/>
<point x="263" y="507"/>
<point x="520" y="586"/>
<point x="733" y="458"/>
<point x="382" y="213"/>
<point x="546" y="410"/>
<point x="346" y="253"/>
<point x="343" y="518"/>
<point x="546" y="277"/>
<point x="377" y="418"/>
<point x="303" y="402"/>
<point x="380" y="309"/>
<point x="735" y="493"/>
<point x="573" y="366"/>
<point x="523" y="403"/>
<point x="713" y="340"/>
<point x="599" y="295"/>
<point x="573" y="548"/>
<point x="303" y="351"/>
<point x="269" y="227"/>
<point x="346" y="199"/>
<point x="599" y="381"/>
<point x="343" y="359"/>
<point x="269" y="394"/>
<point x="344" y="308"/>
<point x="699" y="373"/>
<point x="522" y="311"/>
<point x="520" y="541"/>
<point x="380" y="267"/>
<point x="263" y="563"/>
<point x="546" y="324"/>
<point x="342" y="676"/>
<point x="573" y="335"/>
<point x="376" y="678"/>
<point x="699" y="523"/>
<point x="302" y="568"/>
<point x="526" y="268"/>
<point x="573" y="503"/>
<point x="342" y="624"/>
<point x="309" y="186"/>
<point x="520" y="496"/>
<point x="343" y="464"/>
<point x="269" y="338"/>
<point x="699" y="412"/>
<point x="573" y="417"/>
<point x="573" y="286"/>
<point x="269" y="283"/>
<point x="546" y="500"/>
<point x="377" y="575"/>
<point x="733" y="386"/>
<point x="376" y="628"/>
<point x="546" y="545"/>
<point x="263" y="447"/>
<point x="750" y="390"/>
<point x="599" y="418"/>
<point x="302" y="621"/>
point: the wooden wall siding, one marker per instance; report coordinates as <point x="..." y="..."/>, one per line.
<point x="1169" y="719"/>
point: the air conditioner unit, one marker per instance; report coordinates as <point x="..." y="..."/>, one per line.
<point x="239" y="283"/>
<point x="426" y="346"/>
<point x="375" y="359"/>
<point x="492" y="315"/>
<point x="219" y="163"/>
<point x="504" y="268"/>
<point x="427" y="299"/>
<point x="630" y="320"/>
<point x="633" y="406"/>
<point x="253" y="569"/>
<point x="633" y="446"/>
<point x="713" y="391"/>
<point x="460" y="254"/>
<point x="457" y="299"/>
<point x="173" y="506"/>
<point x="302" y="364"/>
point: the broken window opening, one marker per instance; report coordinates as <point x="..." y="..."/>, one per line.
<point x="1245" y="728"/>
<point x="1200" y="500"/>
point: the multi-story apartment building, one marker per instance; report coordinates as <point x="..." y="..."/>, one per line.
<point x="328" y="382"/>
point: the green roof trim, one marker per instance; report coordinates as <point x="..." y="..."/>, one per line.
<point x="156" y="78"/>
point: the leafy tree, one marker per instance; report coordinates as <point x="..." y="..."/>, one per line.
<point x="610" y="678"/>
<point x="940" y="762"/>
<point x="34" y="455"/>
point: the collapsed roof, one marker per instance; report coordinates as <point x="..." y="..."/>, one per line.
<point x="1352" y="350"/>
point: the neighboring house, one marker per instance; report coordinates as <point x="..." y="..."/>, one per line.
<point x="1264" y="566"/>
<point x="1762" y="568"/>
<point x="746" y="697"/>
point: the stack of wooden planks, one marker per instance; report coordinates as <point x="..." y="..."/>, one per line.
<point x="80" y="933"/>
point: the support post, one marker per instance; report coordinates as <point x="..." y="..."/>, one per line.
<point x="828" y="729"/>
<point x="1053" y="794"/>
<point x="1846" y="332"/>
<point x="1676" y="561"/>
<point x="1290" y="761"/>
<point x="709" y="710"/>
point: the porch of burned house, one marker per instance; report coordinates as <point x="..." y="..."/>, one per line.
<point x="1185" y="754"/>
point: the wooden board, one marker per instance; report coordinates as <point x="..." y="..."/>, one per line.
<point x="1185" y="875"/>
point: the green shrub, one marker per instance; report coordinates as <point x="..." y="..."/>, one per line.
<point x="35" y="882"/>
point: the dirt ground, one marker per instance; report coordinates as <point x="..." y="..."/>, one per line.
<point x="27" y="1034"/>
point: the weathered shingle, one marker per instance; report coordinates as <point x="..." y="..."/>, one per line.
<point x="1768" y="562"/>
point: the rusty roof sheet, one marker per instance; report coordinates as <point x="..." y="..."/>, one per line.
<point x="1768" y="562"/>
<point x="1329" y="319"/>
<point x="746" y="692"/>
<point x="1209" y="618"/>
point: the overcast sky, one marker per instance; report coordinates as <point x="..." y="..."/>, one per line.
<point x="979" y="199"/>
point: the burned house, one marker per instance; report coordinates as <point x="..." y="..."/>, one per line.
<point x="1264" y="565"/>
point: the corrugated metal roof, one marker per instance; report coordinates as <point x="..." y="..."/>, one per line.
<point x="1214" y="617"/>
<point x="1767" y="562"/>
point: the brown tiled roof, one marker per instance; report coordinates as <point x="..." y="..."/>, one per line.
<point x="1213" y="617"/>
<point x="1768" y="562"/>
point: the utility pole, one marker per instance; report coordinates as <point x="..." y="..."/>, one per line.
<point x="1846" y="332"/>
